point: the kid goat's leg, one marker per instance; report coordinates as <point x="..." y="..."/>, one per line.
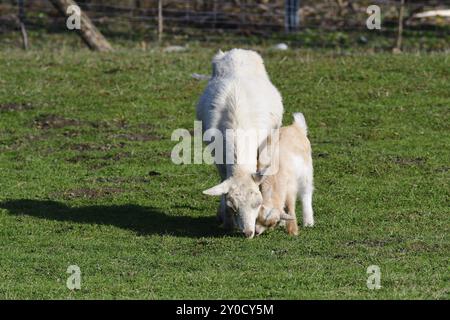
<point x="306" y="195"/>
<point x="291" y="225"/>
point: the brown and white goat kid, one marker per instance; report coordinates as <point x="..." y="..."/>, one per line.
<point x="294" y="177"/>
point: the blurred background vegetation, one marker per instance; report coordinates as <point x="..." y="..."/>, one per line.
<point x="322" y="23"/>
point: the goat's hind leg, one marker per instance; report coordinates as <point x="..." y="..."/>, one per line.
<point x="306" y="193"/>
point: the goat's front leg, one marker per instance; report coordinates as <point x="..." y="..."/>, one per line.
<point x="221" y="211"/>
<point x="228" y="221"/>
<point x="222" y="215"/>
<point x="291" y="225"/>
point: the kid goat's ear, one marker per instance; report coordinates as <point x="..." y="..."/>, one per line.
<point x="259" y="177"/>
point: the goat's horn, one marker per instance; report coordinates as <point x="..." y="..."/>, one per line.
<point x="285" y="216"/>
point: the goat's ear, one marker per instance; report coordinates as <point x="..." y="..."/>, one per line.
<point x="259" y="177"/>
<point x="218" y="190"/>
<point x="268" y="212"/>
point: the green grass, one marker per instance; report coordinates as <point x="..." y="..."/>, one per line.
<point x="86" y="179"/>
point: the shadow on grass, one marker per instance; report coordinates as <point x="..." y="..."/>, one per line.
<point x="142" y="220"/>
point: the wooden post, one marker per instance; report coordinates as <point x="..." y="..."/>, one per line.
<point x="160" y="20"/>
<point x="23" y="30"/>
<point x="88" y="32"/>
<point x="398" y="46"/>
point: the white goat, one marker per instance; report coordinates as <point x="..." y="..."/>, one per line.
<point x="294" y="176"/>
<point x="240" y="97"/>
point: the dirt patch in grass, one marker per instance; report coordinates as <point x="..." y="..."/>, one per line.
<point x="136" y="137"/>
<point x="404" y="161"/>
<point x="116" y="123"/>
<point x="26" y="140"/>
<point x="84" y="157"/>
<point x="79" y="158"/>
<point x="90" y="193"/>
<point x="15" y="107"/>
<point x="83" y="147"/>
<point x="373" y="243"/>
<point x="421" y="246"/>
<point x="72" y="133"/>
<point x="120" y="180"/>
<point x="147" y="126"/>
<point x="52" y="121"/>
<point x="117" y="156"/>
<point x="139" y="179"/>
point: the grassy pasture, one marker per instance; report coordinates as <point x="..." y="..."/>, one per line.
<point x="86" y="179"/>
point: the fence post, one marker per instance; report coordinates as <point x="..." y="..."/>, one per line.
<point x="160" y="20"/>
<point x="23" y="30"/>
<point x="291" y="20"/>
<point x="398" y="46"/>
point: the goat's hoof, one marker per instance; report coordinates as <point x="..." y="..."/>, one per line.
<point x="308" y="224"/>
<point x="292" y="229"/>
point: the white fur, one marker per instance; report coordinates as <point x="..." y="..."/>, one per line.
<point x="299" y="120"/>
<point x="239" y="95"/>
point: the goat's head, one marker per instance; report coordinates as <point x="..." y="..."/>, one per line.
<point x="243" y="199"/>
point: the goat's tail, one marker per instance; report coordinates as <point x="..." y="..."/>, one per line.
<point x="299" y="120"/>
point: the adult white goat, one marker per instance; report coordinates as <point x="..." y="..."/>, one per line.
<point x="240" y="99"/>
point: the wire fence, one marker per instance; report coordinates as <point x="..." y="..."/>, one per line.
<point x="222" y="16"/>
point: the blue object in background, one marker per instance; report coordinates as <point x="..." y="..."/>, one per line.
<point x="292" y="20"/>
